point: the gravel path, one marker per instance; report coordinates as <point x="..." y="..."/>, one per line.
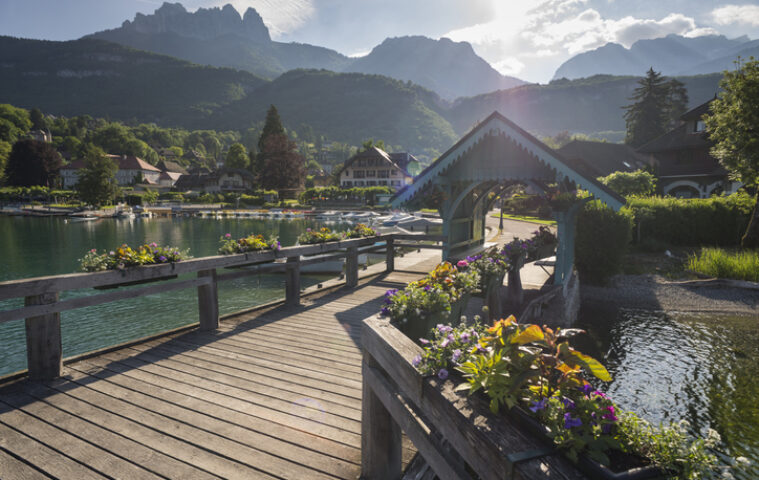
<point x="653" y="292"/>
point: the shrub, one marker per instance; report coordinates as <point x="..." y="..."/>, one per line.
<point x="743" y="265"/>
<point x="716" y="221"/>
<point x="602" y="239"/>
<point x="639" y="182"/>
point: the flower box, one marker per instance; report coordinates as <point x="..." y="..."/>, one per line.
<point x="590" y="467"/>
<point x="135" y="282"/>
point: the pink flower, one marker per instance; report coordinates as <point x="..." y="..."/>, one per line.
<point x="228" y="235"/>
<point x="462" y="263"/>
<point x="93" y="251"/>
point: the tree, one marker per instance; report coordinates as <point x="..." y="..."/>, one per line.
<point x="32" y="163"/>
<point x="39" y="122"/>
<point x="237" y="157"/>
<point x="282" y="165"/>
<point x="733" y="126"/>
<point x="97" y="180"/>
<point x="368" y="144"/>
<point x="639" y="182"/>
<point x="150" y="197"/>
<point x="272" y="127"/>
<point x="658" y="104"/>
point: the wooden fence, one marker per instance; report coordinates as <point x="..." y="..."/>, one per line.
<point x="43" y="306"/>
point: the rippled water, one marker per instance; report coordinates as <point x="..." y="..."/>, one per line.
<point x="667" y="367"/>
<point x="31" y="247"/>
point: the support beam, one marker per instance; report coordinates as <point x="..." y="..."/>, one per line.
<point x="44" y="352"/>
<point x="380" y="435"/>
<point x="208" y="302"/>
<point x="390" y="256"/>
<point x="351" y="267"/>
<point x="292" y="282"/>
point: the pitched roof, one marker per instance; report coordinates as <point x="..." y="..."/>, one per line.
<point x="169" y="166"/>
<point x="600" y="159"/>
<point x="399" y="159"/>
<point x="497" y="122"/>
<point x="124" y="162"/>
<point x="697" y="112"/>
<point x="676" y="139"/>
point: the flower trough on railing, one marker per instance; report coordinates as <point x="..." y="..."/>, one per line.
<point x="322" y="235"/>
<point x="360" y="231"/>
<point x="542" y="380"/>
<point x="126" y="256"/>
<point x="251" y="243"/>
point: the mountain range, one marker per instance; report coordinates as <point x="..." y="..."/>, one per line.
<point x="221" y="37"/>
<point x="670" y="55"/>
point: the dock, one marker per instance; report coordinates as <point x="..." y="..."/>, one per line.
<point x="274" y="393"/>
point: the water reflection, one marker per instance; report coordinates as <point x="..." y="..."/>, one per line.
<point x="668" y="367"/>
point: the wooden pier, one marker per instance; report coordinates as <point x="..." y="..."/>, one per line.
<point x="271" y="394"/>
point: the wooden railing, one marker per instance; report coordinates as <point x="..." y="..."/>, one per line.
<point x="456" y="434"/>
<point x="43" y="306"/>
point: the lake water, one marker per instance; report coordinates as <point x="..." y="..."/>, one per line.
<point x="31" y="247"/>
<point x="668" y="367"/>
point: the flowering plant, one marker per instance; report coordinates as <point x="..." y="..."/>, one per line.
<point x="126" y="256"/>
<point x="490" y="267"/>
<point x="521" y="364"/>
<point x="251" y="243"/>
<point x="322" y="235"/>
<point x="517" y="251"/>
<point x="360" y="231"/>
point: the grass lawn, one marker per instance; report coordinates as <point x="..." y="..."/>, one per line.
<point x="716" y="262"/>
<point x="525" y="218"/>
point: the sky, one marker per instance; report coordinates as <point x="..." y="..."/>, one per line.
<point x="528" y="39"/>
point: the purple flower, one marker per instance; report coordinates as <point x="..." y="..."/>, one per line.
<point x="111" y="253"/>
<point x="162" y="258"/>
<point x="427" y="288"/>
<point x="456" y="355"/>
<point x="424" y="341"/>
<point x="442" y="374"/>
<point x="384" y="311"/>
<point x="586" y="388"/>
<point x="539" y="405"/>
<point x="416" y="361"/>
<point x="445" y="343"/>
<point x="464" y="337"/>
<point x="568" y="404"/>
<point x="470" y="259"/>
<point x="391" y="292"/>
<point x="570" y="422"/>
<point x="308" y="230"/>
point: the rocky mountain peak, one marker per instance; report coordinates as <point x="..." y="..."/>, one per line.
<point x="205" y="23"/>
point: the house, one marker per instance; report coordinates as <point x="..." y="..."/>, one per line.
<point x="170" y="166"/>
<point x="599" y="159"/>
<point x="41" y="135"/>
<point x="682" y="161"/>
<point x="376" y="167"/>
<point x="221" y="181"/>
<point x="131" y="170"/>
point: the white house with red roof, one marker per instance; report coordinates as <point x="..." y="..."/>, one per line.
<point x="131" y="170"/>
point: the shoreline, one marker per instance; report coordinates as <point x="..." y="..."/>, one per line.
<point x="654" y="292"/>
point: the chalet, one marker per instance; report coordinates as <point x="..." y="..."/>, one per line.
<point x="376" y="167"/>
<point x="682" y="161"/>
<point x="131" y="170"/>
<point x="599" y="159"/>
<point x="221" y="181"/>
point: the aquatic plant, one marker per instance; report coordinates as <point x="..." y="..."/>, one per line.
<point x="126" y="256"/>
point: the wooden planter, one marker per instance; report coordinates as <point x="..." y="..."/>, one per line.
<point x="455" y="433"/>
<point x="134" y="282"/>
<point x="420" y="328"/>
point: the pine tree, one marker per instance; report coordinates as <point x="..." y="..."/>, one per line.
<point x="677" y="101"/>
<point x="278" y="164"/>
<point x="648" y="117"/>
<point x="272" y="126"/>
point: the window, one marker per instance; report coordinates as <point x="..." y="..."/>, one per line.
<point x="347" y="183"/>
<point x="347" y="173"/>
<point x="361" y="162"/>
<point x="699" y="126"/>
<point x="371" y="183"/>
<point x="382" y="173"/>
<point x="394" y="173"/>
<point x="371" y="173"/>
<point x="358" y="174"/>
<point x="383" y="182"/>
<point x="359" y="183"/>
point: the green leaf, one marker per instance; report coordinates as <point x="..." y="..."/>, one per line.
<point x="586" y="361"/>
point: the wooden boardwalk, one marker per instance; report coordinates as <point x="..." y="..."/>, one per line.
<point x="272" y="394"/>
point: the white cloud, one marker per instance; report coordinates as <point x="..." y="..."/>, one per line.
<point x="741" y="14"/>
<point x="281" y="16"/>
<point x="532" y="39"/>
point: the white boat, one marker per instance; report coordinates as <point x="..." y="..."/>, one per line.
<point x="394" y="219"/>
<point x="82" y="218"/>
<point x="329" y="215"/>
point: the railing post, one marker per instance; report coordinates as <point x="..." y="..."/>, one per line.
<point x="390" y="255"/>
<point x="44" y="353"/>
<point x="208" y="301"/>
<point x="351" y="267"/>
<point x="380" y="434"/>
<point x="292" y="281"/>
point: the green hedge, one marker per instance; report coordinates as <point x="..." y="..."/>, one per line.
<point x="692" y="222"/>
<point x="602" y="239"/>
<point x="367" y="194"/>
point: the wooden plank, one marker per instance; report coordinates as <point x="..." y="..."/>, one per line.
<point x="351" y="267"/>
<point x="85" y="453"/>
<point x="380" y="436"/>
<point x="13" y="469"/>
<point x="201" y="409"/>
<point x="418" y="245"/>
<point x="390" y="256"/>
<point x="53" y="463"/>
<point x="44" y="353"/>
<point x="208" y="301"/>
<point x="292" y="282"/>
<point x="193" y="430"/>
<point x="137" y="426"/>
<point x="97" y="434"/>
<point x="91" y="300"/>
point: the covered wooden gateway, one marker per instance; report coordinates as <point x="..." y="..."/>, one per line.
<point x="495" y="154"/>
